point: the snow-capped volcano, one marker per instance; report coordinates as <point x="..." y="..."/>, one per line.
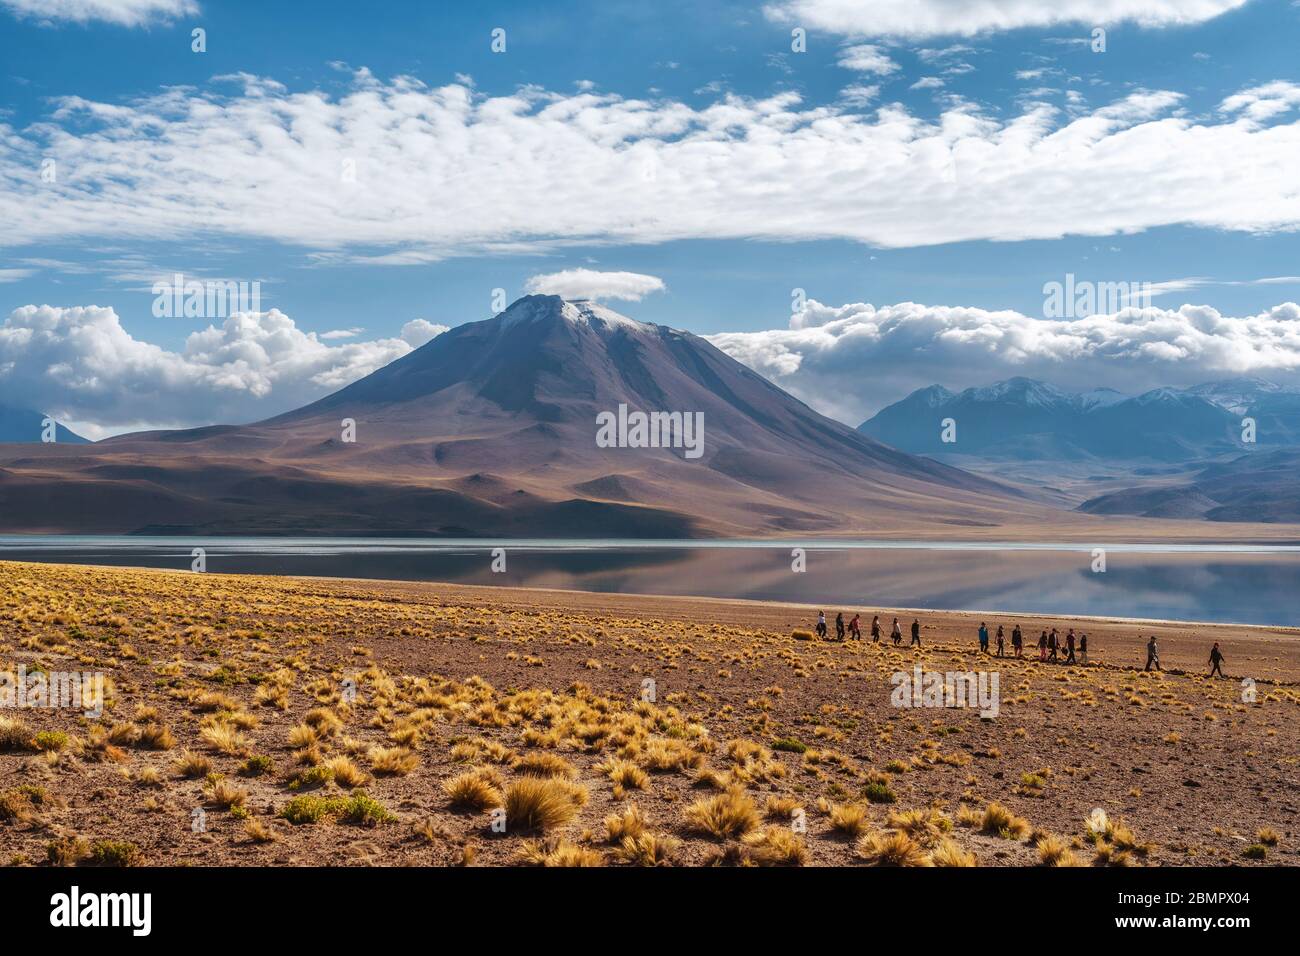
<point x="491" y="429"/>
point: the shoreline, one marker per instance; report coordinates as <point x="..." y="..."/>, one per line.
<point x="639" y="596"/>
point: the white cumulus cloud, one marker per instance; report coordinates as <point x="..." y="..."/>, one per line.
<point x="590" y="284"/>
<point x="80" y="365"/>
<point x="127" y="13"/>
<point x="867" y="58"/>
<point x="848" y="361"/>
<point x="397" y="172"/>
<point x="930" y="18"/>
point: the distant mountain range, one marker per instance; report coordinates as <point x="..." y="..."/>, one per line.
<point x="25" y="425"/>
<point x="1022" y="419"/>
<point x="1181" y="449"/>
<point x="1261" y="486"/>
<point x="491" y="429"/>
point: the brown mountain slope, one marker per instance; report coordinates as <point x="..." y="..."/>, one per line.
<point x="490" y="429"/>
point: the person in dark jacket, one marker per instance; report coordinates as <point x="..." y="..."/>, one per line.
<point x="875" y="629"/>
<point x="839" y="626"/>
<point x="1018" y="641"/>
<point x="1069" y="647"/>
<point x="1153" y="654"/>
<point x="1216" y="660"/>
<point x="916" y="633"/>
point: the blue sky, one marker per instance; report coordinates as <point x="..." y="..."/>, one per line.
<point x="888" y="155"/>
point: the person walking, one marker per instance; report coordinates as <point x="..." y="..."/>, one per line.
<point x="1018" y="641"/>
<point x="984" y="638"/>
<point x="875" y="629"/>
<point x="1216" y="661"/>
<point x="1042" y="645"/>
<point x="916" y="633"/>
<point x="1083" y="649"/>
<point x="1001" y="642"/>
<point x="1153" y="654"/>
<point x="839" y="626"/>
<point x="821" y="623"/>
<point x="1069" y="647"/>
<point x="1051" y="646"/>
<point x="855" y="629"/>
<point x="897" y="634"/>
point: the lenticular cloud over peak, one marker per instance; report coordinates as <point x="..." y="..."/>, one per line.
<point x="589" y="284"/>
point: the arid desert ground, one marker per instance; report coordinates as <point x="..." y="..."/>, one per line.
<point x="291" y="721"/>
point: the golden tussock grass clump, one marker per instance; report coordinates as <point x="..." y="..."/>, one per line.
<point x="666" y="754"/>
<point x="67" y="850"/>
<point x="1115" y="843"/>
<point x="558" y="853"/>
<point x="776" y="846"/>
<point x="1099" y="827"/>
<point x="149" y="777"/>
<point x="1267" y="836"/>
<point x="780" y="808"/>
<point x="192" y="765"/>
<point x="225" y="739"/>
<point x="544" y="765"/>
<point x="753" y="761"/>
<point x="303" y="735"/>
<point x="925" y="826"/>
<point x="1054" y="851"/>
<point x="892" y="848"/>
<point x="155" y="736"/>
<point x="849" y="819"/>
<point x="98" y="748"/>
<point x="271" y="695"/>
<point x="472" y="792"/>
<point x="214" y="701"/>
<point x="407" y="736"/>
<point x="15" y="736"/>
<point x="713" y="779"/>
<point x="947" y="853"/>
<point x="496" y="751"/>
<point x="392" y="761"/>
<point x="729" y="815"/>
<point x="259" y="832"/>
<point x="222" y="793"/>
<point x="124" y="735"/>
<point x="630" y="823"/>
<point x="324" y="721"/>
<point x="18" y="805"/>
<point x="345" y="773"/>
<point x="624" y="774"/>
<point x="541" y="803"/>
<point x="997" y="820"/>
<point x="647" y="849"/>
<point x="465" y="752"/>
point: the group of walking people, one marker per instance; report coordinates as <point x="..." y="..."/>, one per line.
<point x="1052" y="647"/>
<point x="853" y="630"/>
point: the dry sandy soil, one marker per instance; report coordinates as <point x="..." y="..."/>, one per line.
<point x="258" y="699"/>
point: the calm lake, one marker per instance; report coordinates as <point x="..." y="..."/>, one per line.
<point x="1251" y="584"/>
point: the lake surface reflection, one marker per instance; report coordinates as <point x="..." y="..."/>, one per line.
<point x="1227" y="583"/>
